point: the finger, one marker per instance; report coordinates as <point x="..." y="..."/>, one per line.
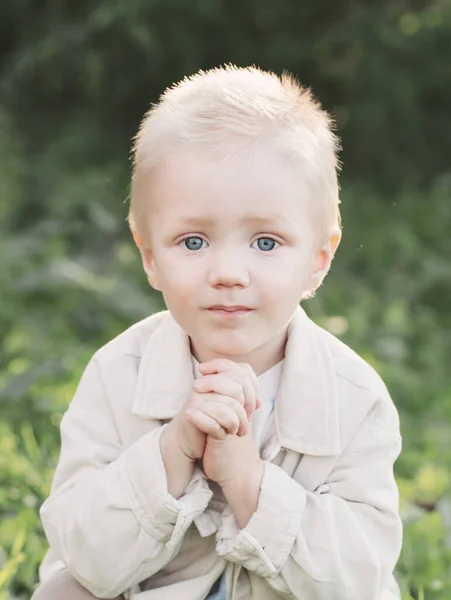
<point x="254" y="379"/>
<point x="198" y="400"/>
<point x="216" y="365"/>
<point x="223" y="414"/>
<point x="234" y="405"/>
<point x="219" y="384"/>
<point x="255" y="383"/>
<point x="205" y="423"/>
<point x="241" y="372"/>
<point x="250" y="399"/>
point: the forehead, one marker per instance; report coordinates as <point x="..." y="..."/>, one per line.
<point x="201" y="189"/>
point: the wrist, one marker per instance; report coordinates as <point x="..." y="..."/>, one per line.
<point x="243" y="492"/>
<point x="246" y="480"/>
<point x="179" y="467"/>
<point x="170" y="440"/>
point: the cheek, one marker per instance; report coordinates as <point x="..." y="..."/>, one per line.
<point x="177" y="279"/>
<point x="288" y="277"/>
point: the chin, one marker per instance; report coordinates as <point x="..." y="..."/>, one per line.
<point x="231" y="348"/>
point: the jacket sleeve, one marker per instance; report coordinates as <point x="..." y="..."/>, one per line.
<point x="340" y="542"/>
<point x="109" y="516"/>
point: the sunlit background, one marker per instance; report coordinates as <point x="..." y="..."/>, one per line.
<point x="76" y="78"/>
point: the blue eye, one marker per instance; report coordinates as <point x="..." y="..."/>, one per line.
<point x="266" y="244"/>
<point x="193" y="243"/>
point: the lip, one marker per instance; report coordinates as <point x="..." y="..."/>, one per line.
<point x="229" y="311"/>
<point x="228" y="308"/>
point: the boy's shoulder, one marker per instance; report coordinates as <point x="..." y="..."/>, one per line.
<point x="132" y="341"/>
<point x="351" y="368"/>
<point x="367" y="414"/>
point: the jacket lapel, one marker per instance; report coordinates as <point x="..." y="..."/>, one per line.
<point x="306" y="410"/>
<point x="165" y="376"/>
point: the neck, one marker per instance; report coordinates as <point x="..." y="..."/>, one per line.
<point x="261" y="359"/>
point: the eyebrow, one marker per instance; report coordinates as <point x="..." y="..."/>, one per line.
<point x="268" y="220"/>
<point x="196" y="221"/>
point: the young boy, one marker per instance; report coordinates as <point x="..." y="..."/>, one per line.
<point x="228" y="448"/>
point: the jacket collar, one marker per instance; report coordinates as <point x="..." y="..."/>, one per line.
<point x="306" y="409"/>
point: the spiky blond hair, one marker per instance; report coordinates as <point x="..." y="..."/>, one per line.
<point x="228" y="110"/>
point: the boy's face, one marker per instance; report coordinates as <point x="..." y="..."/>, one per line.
<point x="224" y="235"/>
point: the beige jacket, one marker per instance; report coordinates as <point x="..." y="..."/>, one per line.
<point x="326" y="526"/>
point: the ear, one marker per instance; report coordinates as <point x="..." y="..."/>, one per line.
<point x="323" y="259"/>
<point x="149" y="266"/>
<point x="147" y="260"/>
<point x="136" y="238"/>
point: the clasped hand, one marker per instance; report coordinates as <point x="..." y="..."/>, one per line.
<point x="214" y="423"/>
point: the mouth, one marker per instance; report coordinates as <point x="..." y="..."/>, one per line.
<point x="224" y="310"/>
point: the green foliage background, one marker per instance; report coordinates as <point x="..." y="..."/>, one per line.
<point x="75" y="79"/>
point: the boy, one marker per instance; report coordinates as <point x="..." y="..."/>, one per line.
<point x="228" y="448"/>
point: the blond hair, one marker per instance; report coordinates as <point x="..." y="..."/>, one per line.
<point x="230" y="109"/>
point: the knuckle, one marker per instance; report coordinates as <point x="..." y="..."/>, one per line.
<point x="229" y="424"/>
<point x="238" y="408"/>
<point x="234" y="419"/>
<point x="249" y="388"/>
<point x="198" y="385"/>
<point x="249" y="400"/>
<point x="228" y="416"/>
<point x="240" y="392"/>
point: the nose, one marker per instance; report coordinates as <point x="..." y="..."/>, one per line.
<point x="227" y="269"/>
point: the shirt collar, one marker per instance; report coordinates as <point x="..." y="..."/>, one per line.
<point x="269" y="383"/>
<point x="306" y="409"/>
